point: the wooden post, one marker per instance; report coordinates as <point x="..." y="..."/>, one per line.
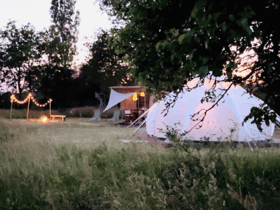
<point x="28" y="108"/>
<point x="11" y="111"/>
<point x="145" y="101"/>
<point x="137" y="106"/>
<point x="50" y="106"/>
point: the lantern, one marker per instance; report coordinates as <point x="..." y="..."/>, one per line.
<point x="135" y="97"/>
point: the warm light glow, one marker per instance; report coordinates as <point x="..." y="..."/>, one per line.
<point x="142" y="94"/>
<point x="13" y="99"/>
<point x="44" y="119"/>
<point x="135" y="97"/>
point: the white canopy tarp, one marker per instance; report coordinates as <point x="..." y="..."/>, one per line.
<point x="222" y="123"/>
<point x="116" y="98"/>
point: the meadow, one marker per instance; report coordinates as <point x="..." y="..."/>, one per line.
<point x="84" y="165"/>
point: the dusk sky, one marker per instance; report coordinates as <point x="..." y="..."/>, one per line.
<point x="37" y="13"/>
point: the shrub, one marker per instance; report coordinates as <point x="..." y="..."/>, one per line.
<point x="81" y="112"/>
<point x="86" y="112"/>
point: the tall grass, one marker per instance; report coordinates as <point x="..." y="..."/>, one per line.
<point x="80" y="165"/>
<point x="85" y="112"/>
<point x="21" y="113"/>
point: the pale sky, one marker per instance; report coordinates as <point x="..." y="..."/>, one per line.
<point x="37" y="13"/>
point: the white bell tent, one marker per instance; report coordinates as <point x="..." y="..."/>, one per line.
<point x="222" y="123"/>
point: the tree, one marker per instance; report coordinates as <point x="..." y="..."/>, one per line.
<point x="171" y="42"/>
<point x="105" y="68"/>
<point x="59" y="48"/>
<point x="19" y="56"/>
<point x="64" y="30"/>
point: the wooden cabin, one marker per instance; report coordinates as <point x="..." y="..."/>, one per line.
<point x="136" y="104"/>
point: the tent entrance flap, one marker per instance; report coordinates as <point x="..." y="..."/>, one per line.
<point x="116" y="98"/>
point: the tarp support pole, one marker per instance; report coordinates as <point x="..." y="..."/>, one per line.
<point x="139" y="118"/>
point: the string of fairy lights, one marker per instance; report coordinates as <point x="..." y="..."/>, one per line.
<point x="29" y="96"/>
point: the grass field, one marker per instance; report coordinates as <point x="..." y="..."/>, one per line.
<point x="86" y="112"/>
<point x="84" y="165"/>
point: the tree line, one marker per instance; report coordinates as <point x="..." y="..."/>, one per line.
<point x="43" y="62"/>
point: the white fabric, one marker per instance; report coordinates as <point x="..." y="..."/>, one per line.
<point x="116" y="98"/>
<point x="222" y="123"/>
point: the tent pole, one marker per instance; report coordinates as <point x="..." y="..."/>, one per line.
<point x="139" y="126"/>
<point x="251" y="148"/>
<point x="139" y="117"/>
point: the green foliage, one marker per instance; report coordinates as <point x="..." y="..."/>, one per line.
<point x="105" y="68"/>
<point x="19" y="56"/>
<point x="81" y="112"/>
<point x="261" y="115"/>
<point x="170" y="42"/>
<point x="64" y="31"/>
<point x="59" y="48"/>
<point x="42" y="61"/>
<point x="78" y="179"/>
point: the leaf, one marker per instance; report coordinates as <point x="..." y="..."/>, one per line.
<point x="203" y="70"/>
<point x="205" y="59"/>
<point x="174" y="32"/>
<point x="267" y="121"/>
<point x="243" y="22"/>
<point x="184" y="37"/>
<point x="229" y="73"/>
<point x="259" y="126"/>
<point x="161" y="45"/>
<point x="233" y="65"/>
<point x="197" y="7"/>
<point x="224" y="26"/>
<point x="231" y="17"/>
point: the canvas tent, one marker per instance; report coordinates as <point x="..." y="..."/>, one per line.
<point x="222" y="123"/>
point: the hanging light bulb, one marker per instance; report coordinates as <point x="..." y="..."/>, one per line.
<point x="142" y="94"/>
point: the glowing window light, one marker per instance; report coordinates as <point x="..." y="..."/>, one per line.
<point x="135" y="97"/>
<point x="142" y="94"/>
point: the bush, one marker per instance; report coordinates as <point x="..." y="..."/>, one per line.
<point x="86" y="112"/>
<point x="216" y="175"/>
<point x="81" y="112"/>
